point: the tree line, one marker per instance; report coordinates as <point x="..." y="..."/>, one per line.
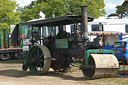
<point x="121" y="10"/>
<point x="11" y="13"/>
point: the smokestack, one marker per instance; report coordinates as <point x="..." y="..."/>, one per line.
<point x="84" y="23"/>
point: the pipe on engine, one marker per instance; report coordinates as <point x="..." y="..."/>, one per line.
<point x="84" y="24"/>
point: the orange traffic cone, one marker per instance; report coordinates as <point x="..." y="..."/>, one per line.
<point x="124" y="69"/>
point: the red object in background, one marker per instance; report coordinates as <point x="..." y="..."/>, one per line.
<point x="124" y="49"/>
<point x="124" y="69"/>
<point x="21" y="36"/>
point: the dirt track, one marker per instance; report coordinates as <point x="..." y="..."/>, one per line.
<point x="11" y="74"/>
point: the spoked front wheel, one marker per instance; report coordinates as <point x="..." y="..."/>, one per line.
<point x="40" y="58"/>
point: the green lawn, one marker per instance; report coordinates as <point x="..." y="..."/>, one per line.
<point x="11" y="61"/>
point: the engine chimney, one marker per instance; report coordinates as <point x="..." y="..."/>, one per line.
<point x="84" y="23"/>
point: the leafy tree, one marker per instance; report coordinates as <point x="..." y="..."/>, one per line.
<point x="122" y="10"/>
<point x="55" y="8"/>
<point x="7" y="14"/>
<point x="113" y="14"/>
<point x="125" y="5"/>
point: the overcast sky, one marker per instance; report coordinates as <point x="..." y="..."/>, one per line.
<point x="109" y="4"/>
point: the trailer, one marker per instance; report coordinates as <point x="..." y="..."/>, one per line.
<point x="8" y="50"/>
<point x="10" y="53"/>
<point x="109" y="24"/>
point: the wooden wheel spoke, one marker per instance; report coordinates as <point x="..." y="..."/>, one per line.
<point x="37" y="64"/>
<point x="35" y="55"/>
<point x="37" y="51"/>
<point x="41" y="55"/>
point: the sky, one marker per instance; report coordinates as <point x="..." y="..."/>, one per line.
<point x="109" y="4"/>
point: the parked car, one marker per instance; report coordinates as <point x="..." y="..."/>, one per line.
<point x="108" y="47"/>
<point x="121" y="50"/>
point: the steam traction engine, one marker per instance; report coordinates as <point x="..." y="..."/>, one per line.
<point x="59" y="49"/>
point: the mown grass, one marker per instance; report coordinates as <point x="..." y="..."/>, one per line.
<point x="109" y="81"/>
<point x="11" y="61"/>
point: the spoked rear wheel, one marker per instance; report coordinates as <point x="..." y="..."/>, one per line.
<point x="40" y="58"/>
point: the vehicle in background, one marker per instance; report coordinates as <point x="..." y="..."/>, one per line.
<point x="121" y="50"/>
<point x="109" y="37"/>
<point x="11" y="45"/>
<point x="120" y="25"/>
